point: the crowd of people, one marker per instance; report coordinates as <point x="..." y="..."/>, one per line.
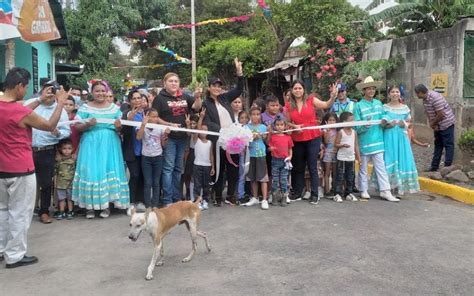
<point x="86" y="163"/>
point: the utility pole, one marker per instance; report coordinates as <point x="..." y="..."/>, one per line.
<point x="193" y="42"/>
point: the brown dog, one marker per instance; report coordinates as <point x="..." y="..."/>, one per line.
<point x="158" y="222"/>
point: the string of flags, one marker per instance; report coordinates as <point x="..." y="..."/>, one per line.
<point x="154" y="66"/>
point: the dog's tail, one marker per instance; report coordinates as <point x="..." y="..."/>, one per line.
<point x="198" y="200"/>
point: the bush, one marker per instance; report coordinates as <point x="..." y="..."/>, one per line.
<point x="466" y="141"/>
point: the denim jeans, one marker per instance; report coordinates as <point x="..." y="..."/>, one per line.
<point x="201" y="178"/>
<point x="173" y="158"/>
<point x="279" y="175"/>
<point x="44" y="169"/>
<point x="151" y="167"/>
<point x="344" y="174"/>
<point x="305" y="153"/>
<point x="443" y="140"/>
<point x="135" y="184"/>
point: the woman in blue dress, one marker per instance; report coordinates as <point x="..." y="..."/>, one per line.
<point x="100" y="172"/>
<point x="399" y="161"/>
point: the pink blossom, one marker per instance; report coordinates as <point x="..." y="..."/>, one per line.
<point x="330" y="61"/>
<point x="350" y="59"/>
<point x="312" y="59"/>
<point x="340" y="39"/>
<point x="330" y="51"/>
<point x="326" y="67"/>
<point x="330" y="74"/>
<point x="319" y="75"/>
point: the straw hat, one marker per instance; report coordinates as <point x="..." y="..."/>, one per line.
<point x="368" y="82"/>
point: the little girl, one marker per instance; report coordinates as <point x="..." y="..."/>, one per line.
<point x="243" y="120"/>
<point x="191" y="123"/>
<point x="203" y="163"/>
<point x="152" y="157"/>
<point x="280" y="145"/>
<point x="329" y="158"/>
<point x="258" y="163"/>
<point x="346" y="141"/>
<point x="65" y="168"/>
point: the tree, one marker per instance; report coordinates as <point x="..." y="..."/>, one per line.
<point x="415" y="16"/>
<point x="218" y="57"/>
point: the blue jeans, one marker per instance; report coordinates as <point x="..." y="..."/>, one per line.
<point x="173" y="158"/>
<point x="279" y="175"/>
<point x="443" y="140"/>
<point x="344" y="174"/>
<point x="201" y="178"/>
<point x="151" y="167"/>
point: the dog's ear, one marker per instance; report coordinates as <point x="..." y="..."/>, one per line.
<point x="131" y="211"/>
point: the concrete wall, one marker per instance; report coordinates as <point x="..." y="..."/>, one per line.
<point x="434" y="52"/>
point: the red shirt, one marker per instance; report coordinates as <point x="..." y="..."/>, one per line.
<point x="280" y="144"/>
<point x="16" y="155"/>
<point x="307" y="117"/>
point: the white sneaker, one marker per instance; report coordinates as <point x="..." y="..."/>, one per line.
<point x="253" y="201"/>
<point x="205" y="205"/>
<point x="264" y="205"/>
<point x="90" y="214"/>
<point x="351" y="197"/>
<point x="140" y="207"/>
<point x="307" y="195"/>
<point x="105" y="213"/>
<point x="387" y="195"/>
<point x="201" y="207"/>
<point x="337" y="198"/>
<point x="365" y="195"/>
<point x="288" y="200"/>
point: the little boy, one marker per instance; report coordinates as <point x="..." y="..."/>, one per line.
<point x="65" y="168"/>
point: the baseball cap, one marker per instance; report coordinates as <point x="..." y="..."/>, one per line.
<point x="214" y="80"/>
<point x="341" y="87"/>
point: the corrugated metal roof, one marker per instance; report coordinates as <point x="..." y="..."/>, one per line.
<point x="285" y="64"/>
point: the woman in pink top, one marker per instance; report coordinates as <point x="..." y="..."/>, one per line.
<point x="301" y="112"/>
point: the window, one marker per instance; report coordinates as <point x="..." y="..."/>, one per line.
<point x="468" y="81"/>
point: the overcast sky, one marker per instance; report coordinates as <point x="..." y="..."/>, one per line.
<point x="361" y="3"/>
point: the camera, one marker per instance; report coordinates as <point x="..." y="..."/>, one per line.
<point x="55" y="86"/>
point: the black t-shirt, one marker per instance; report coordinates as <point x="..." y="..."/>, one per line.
<point x="173" y="109"/>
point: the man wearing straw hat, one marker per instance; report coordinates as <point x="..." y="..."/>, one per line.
<point x="371" y="143"/>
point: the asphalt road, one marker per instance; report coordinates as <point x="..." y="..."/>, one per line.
<point x="423" y="245"/>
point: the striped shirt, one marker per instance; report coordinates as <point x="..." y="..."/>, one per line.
<point x="370" y="138"/>
<point x="436" y="102"/>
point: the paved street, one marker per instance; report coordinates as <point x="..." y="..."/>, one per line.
<point x="421" y="246"/>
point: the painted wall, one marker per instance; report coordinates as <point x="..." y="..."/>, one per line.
<point x="24" y="58"/>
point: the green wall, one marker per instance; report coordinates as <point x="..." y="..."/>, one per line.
<point x="24" y="58"/>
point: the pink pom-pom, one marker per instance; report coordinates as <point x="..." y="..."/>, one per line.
<point x="235" y="145"/>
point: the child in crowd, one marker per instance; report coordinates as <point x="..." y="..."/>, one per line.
<point x="70" y="107"/>
<point x="191" y="123"/>
<point x="280" y="145"/>
<point x="243" y="120"/>
<point x="65" y="168"/>
<point x="258" y="166"/>
<point x="152" y="157"/>
<point x="329" y="158"/>
<point x="348" y="152"/>
<point x="204" y="163"/>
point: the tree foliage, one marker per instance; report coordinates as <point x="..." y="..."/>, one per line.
<point x="415" y="16"/>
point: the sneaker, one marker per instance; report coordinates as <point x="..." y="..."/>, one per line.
<point x="329" y="195"/>
<point x="205" y="205"/>
<point x="307" y="195"/>
<point x="351" y="197"/>
<point x="60" y="216"/>
<point x="70" y="215"/>
<point x="314" y="200"/>
<point x="264" y="205"/>
<point x="387" y="195"/>
<point x="106" y="213"/>
<point x="288" y="200"/>
<point x="284" y="199"/>
<point x="364" y="195"/>
<point x="253" y="201"/>
<point x="90" y="214"/>
<point x="200" y="207"/>
<point x="337" y="198"/>
<point x="140" y="208"/>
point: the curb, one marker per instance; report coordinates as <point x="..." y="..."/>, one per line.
<point x="455" y="192"/>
